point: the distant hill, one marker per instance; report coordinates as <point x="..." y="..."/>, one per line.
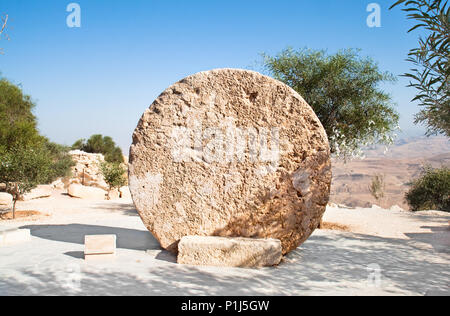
<point x="403" y="162"/>
<point x="414" y="147"/>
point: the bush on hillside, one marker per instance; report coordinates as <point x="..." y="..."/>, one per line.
<point x="377" y="187"/>
<point x="114" y="174"/>
<point x="431" y="191"/>
<point x="27" y="159"/>
<point x="99" y="144"/>
<point x="23" y="168"/>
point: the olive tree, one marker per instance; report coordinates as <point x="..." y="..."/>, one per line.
<point x="100" y="144"/>
<point x="114" y="174"/>
<point x="430" y="60"/>
<point x="3" y="25"/>
<point x="22" y="169"/>
<point x="26" y="158"/>
<point x="344" y="91"/>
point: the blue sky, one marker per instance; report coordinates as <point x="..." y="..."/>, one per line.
<point x="101" y="77"/>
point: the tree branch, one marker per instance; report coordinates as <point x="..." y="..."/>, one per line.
<point x="4" y="23"/>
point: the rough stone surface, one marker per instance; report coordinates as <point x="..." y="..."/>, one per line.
<point x="86" y="170"/>
<point x="58" y="184"/>
<point x="40" y="192"/>
<point x="229" y="252"/>
<point x="6" y="199"/>
<point x="100" y="244"/>
<point x="230" y="153"/>
<point x="87" y="193"/>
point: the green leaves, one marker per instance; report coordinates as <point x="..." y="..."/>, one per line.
<point x="343" y="89"/>
<point x="22" y="169"/>
<point x="114" y="174"/>
<point x="101" y="145"/>
<point x="26" y="158"/>
<point x="431" y="60"/>
<point x="431" y="191"/>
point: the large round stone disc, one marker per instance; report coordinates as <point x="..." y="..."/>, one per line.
<point x="230" y="153"/>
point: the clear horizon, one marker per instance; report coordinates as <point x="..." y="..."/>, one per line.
<point x="99" y="78"/>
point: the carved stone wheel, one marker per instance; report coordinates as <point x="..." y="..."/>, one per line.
<point x="230" y="153"/>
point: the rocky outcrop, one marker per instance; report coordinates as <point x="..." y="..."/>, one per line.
<point x="6" y="200"/>
<point x="58" y="184"/>
<point x="86" y="193"/>
<point x="229" y="252"/>
<point x="86" y="170"/>
<point x="230" y="153"/>
<point x="41" y="191"/>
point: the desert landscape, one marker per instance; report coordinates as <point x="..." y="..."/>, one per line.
<point x="401" y="163"/>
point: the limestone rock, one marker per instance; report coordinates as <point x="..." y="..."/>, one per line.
<point x="58" y="184"/>
<point x="99" y="244"/>
<point x="87" y="193"/>
<point x="230" y="153"/>
<point x="86" y="170"/>
<point x="396" y="208"/>
<point x="40" y="192"/>
<point x="229" y="252"/>
<point x="6" y="199"/>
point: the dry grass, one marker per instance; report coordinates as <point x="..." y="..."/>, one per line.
<point x="32" y="215"/>
<point x="335" y="226"/>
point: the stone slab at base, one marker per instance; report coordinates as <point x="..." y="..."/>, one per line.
<point x="229" y="252"/>
<point x="11" y="236"/>
<point x="100" y="245"/>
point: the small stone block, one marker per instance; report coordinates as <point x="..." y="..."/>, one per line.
<point x="229" y="252"/>
<point x="11" y="236"/>
<point x="100" y="245"/>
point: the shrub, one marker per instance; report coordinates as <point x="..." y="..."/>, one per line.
<point x="431" y="191"/>
<point x="98" y="144"/>
<point x="377" y="187"/>
<point x="27" y="159"/>
<point x="61" y="161"/>
<point x="18" y="125"/>
<point x="430" y="61"/>
<point x="114" y="174"/>
<point x="344" y="89"/>
<point x="22" y="169"/>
